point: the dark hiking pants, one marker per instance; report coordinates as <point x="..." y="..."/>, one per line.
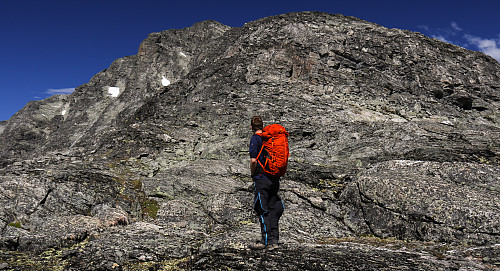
<point x="269" y="208"/>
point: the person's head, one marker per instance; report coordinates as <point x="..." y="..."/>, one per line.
<point x="257" y="123"/>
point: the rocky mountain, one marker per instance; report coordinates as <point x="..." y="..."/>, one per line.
<point x="394" y="137"/>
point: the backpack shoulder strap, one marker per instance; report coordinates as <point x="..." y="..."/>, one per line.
<point x="261" y="148"/>
<point x="262" y="144"/>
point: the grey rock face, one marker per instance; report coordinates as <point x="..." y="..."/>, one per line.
<point x="393" y="135"/>
<point x="29" y="128"/>
<point x="2" y="126"/>
<point x="428" y="200"/>
<point x="63" y="123"/>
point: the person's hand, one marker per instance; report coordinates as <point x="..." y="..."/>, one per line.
<point x="251" y="187"/>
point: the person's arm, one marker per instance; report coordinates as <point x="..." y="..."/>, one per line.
<point x="255" y="149"/>
<point x="253" y="166"/>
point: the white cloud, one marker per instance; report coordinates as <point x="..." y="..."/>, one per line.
<point x="490" y="47"/>
<point x="455" y="26"/>
<point x="424" y="27"/>
<point x="60" y="91"/>
<point x="441" y="38"/>
<point x="455" y="34"/>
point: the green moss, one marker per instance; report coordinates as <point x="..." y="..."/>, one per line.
<point x="16" y="224"/>
<point x="48" y="260"/>
<point x="128" y="176"/>
<point x="246" y="222"/>
<point x="167" y="265"/>
<point x="136" y="184"/>
<point x="150" y="208"/>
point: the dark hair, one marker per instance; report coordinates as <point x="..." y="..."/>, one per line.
<point x="257" y="123"/>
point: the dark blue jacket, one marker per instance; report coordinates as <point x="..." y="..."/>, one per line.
<point x="255" y="147"/>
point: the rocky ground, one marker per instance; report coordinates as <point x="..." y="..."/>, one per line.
<point x="394" y="162"/>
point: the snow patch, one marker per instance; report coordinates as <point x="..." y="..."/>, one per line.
<point x="65" y="110"/>
<point x="114" y="91"/>
<point x="164" y="81"/>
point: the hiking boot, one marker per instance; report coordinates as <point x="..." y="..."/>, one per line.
<point x="257" y="246"/>
<point x="272" y="246"/>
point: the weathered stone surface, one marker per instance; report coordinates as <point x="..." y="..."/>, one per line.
<point x="3" y="123"/>
<point x="343" y="255"/>
<point x="417" y="200"/>
<point x="393" y="135"/>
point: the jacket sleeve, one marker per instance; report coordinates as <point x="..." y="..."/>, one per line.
<point x="255" y="146"/>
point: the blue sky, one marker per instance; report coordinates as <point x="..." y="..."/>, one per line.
<point x="50" y="47"/>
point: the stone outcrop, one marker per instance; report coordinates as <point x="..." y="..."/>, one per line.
<point x="394" y="154"/>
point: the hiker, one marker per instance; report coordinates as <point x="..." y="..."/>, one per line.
<point x="267" y="204"/>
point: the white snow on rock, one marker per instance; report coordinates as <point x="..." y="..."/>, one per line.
<point x="65" y="110"/>
<point x="114" y="91"/>
<point x="164" y="81"/>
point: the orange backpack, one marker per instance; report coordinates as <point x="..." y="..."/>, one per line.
<point x="275" y="150"/>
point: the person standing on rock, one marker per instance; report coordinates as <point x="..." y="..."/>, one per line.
<point x="267" y="204"/>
